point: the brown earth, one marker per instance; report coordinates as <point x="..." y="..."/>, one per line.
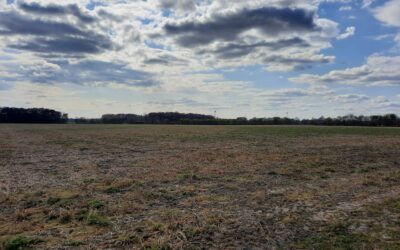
<point x="199" y="187"/>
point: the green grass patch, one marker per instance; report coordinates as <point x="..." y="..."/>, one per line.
<point x="112" y="190"/>
<point x="97" y="220"/>
<point x="20" y="242"/>
<point x="337" y="236"/>
<point x="96" y="204"/>
<point x="187" y="176"/>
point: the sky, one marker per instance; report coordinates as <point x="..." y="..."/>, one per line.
<point x="232" y="58"/>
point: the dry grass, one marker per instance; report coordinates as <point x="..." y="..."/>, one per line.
<point x="197" y="187"/>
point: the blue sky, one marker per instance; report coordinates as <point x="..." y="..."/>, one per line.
<point x="304" y="58"/>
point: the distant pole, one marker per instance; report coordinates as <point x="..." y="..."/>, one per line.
<point x="215" y="114"/>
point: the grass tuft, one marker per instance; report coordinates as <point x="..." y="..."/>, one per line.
<point x="97" y="220"/>
<point x="20" y="242"/>
<point x="96" y="204"/>
<point x="187" y="176"/>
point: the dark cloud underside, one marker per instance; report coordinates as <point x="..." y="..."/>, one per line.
<point x="65" y="45"/>
<point x="49" y="37"/>
<point x="289" y="60"/>
<point x="165" y="60"/>
<point x="53" y="9"/>
<point x="270" y="21"/>
<point x="234" y="50"/>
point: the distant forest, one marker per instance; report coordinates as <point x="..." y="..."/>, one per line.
<point x="33" y="115"/>
<point x="41" y="115"/>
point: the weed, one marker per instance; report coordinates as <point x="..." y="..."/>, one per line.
<point x="187" y="176"/>
<point x="38" y="194"/>
<point x="112" y="190"/>
<point x="66" y="218"/>
<point x="126" y="240"/>
<point x="156" y="226"/>
<point x="191" y="233"/>
<point x="336" y="236"/>
<point x="31" y="203"/>
<point x="53" y="200"/>
<point x="393" y="204"/>
<point x="97" y="220"/>
<point x="60" y="202"/>
<point x="20" y="242"/>
<point x="96" y="204"/>
<point x="330" y="170"/>
<point x="118" y="186"/>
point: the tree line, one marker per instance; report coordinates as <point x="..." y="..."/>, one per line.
<point x="32" y="115"/>
<point x="41" y="115"/>
<point x="389" y="120"/>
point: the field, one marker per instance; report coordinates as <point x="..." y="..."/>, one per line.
<point x="199" y="187"/>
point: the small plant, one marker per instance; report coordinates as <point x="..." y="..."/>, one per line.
<point x="19" y="242"/>
<point x="96" y="204"/>
<point x="38" y="194"/>
<point x="118" y="186"/>
<point x="330" y="170"/>
<point x="97" y="220"/>
<point x="52" y="214"/>
<point x="31" y="203"/>
<point x="191" y="232"/>
<point x="337" y="236"/>
<point x="187" y="176"/>
<point x="61" y="202"/>
<point x="393" y="204"/>
<point x="126" y="240"/>
<point x="66" y="218"/>
<point x="53" y="200"/>
<point x="81" y="214"/>
<point x="156" y="226"/>
<point x="112" y="190"/>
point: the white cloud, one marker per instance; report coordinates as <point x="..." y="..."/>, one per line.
<point x="397" y="38"/>
<point x="388" y="13"/>
<point x="384" y="37"/>
<point x="350" y="98"/>
<point x="350" y="31"/>
<point x="378" y="71"/>
<point x="367" y="3"/>
<point x="151" y="69"/>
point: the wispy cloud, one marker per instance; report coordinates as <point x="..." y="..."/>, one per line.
<point x="350" y="31"/>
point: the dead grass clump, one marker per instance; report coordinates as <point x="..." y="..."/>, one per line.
<point x="115" y="186"/>
<point x="299" y="195"/>
<point x="124" y="240"/>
